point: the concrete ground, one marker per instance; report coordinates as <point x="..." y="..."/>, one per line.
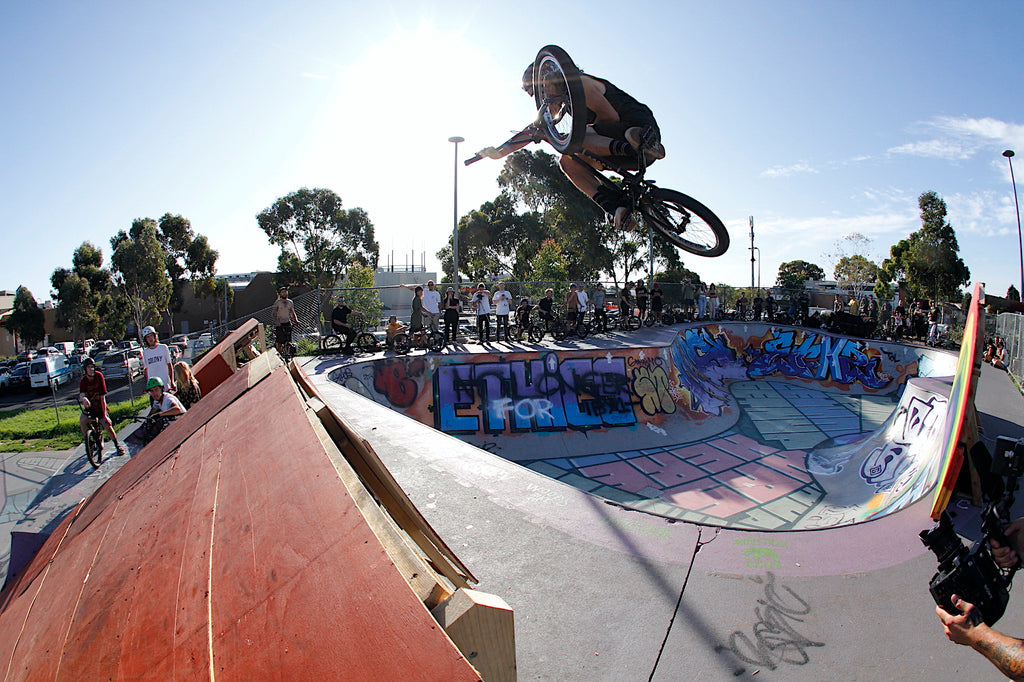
<point x="605" y="593"/>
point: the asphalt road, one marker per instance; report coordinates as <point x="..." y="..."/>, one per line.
<point x="117" y="391"/>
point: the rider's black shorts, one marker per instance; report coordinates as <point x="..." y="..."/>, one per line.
<point x="284" y="332"/>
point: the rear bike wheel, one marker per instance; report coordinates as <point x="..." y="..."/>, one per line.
<point x="561" y="102"/>
<point x="685" y="222"/>
<point x="94" y="447"/>
<point x="435" y="341"/>
<point x="631" y="323"/>
<point x="582" y="329"/>
<point x="558" y="331"/>
<point x="366" y="342"/>
<point x="535" y="332"/>
<point x="330" y="343"/>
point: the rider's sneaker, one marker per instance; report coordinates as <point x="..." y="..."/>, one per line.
<point x="120" y="448"/>
<point x="623" y="219"/>
<point x="653" y="149"/>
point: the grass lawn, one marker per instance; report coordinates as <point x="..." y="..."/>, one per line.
<point x="34" y="430"/>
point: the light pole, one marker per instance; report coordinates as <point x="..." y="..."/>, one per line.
<point x="758" y="249"/>
<point x="455" y="211"/>
<point x="1020" y="244"/>
<point x="752" y="247"/>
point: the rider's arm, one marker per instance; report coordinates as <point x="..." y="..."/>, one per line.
<point x="528" y="135"/>
<point x="593" y="89"/>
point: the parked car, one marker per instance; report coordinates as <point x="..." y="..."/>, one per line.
<point x="18" y="379"/>
<point x="5" y="377"/>
<point x="120" y="364"/>
<point x="128" y="344"/>
<point x="49" y="370"/>
<point x="101" y="347"/>
<point x="26" y="355"/>
<point x="48" y="350"/>
<point x="75" y="361"/>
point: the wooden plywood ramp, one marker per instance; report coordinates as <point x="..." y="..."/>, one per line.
<point x="258" y="537"/>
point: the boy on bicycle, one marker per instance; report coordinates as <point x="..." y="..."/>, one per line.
<point x="618" y="128"/>
<point x="92" y="396"/>
<point x="393" y="329"/>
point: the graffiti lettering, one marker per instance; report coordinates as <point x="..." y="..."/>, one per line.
<point x="704" y="362"/>
<point x="532" y="396"/>
<point x="651" y="385"/>
<point x="822" y="357"/>
<point x="774" y="640"/>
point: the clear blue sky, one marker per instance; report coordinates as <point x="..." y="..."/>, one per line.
<point x="819" y="119"/>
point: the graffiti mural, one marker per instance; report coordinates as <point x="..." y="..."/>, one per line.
<point x="743" y="425"/>
<point x="542" y="395"/>
<point x="808" y="354"/>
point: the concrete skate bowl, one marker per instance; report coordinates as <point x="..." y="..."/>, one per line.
<point x="738" y="425"/>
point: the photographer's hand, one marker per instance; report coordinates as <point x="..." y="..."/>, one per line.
<point x="1006" y="653"/>
<point x="1008" y="557"/>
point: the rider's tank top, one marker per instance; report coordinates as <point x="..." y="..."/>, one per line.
<point x="628" y="108"/>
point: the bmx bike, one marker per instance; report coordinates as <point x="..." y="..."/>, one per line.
<point x="562" y="122"/>
<point x="363" y="340"/>
<point x="93" y="440"/>
<point x="404" y="342"/>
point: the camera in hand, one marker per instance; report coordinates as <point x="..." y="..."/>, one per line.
<point x="972" y="573"/>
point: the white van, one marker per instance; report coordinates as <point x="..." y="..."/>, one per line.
<point x="65" y="347"/>
<point x="49" y="369"/>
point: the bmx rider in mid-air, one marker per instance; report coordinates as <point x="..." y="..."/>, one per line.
<point x="618" y="126"/>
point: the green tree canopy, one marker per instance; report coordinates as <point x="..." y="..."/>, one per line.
<point x="856" y="272"/>
<point x="80" y="290"/>
<point x="318" y="239"/>
<point x="189" y="260"/>
<point x="793" y="274"/>
<point x="140" y="271"/>
<point x="1012" y="294"/>
<point x="26" y="319"/>
<point x="928" y="262"/>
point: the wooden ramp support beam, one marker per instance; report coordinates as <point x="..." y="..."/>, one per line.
<point x="481" y="625"/>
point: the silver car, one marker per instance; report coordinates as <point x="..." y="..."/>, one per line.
<point x="120" y="365"/>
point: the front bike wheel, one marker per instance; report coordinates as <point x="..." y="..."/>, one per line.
<point x="366" y="342"/>
<point x="558" y="331"/>
<point x="401" y="343"/>
<point x="561" y="102"/>
<point x="535" y="333"/>
<point x="94" y="448"/>
<point x="685" y="222"/>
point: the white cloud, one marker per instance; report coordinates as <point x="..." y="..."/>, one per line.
<point x="962" y="137"/>
<point x="951" y="150"/>
<point x="785" y="171"/>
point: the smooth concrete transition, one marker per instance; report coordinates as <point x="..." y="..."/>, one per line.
<point x="604" y="589"/>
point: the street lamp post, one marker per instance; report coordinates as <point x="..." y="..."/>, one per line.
<point x="758" y="249"/>
<point x="752" y="247"/>
<point x="1020" y="243"/>
<point x="455" y="211"/>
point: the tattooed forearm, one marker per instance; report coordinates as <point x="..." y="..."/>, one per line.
<point x="1006" y="653"/>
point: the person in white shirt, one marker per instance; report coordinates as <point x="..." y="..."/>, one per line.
<point x="431" y="306"/>
<point x="502" y="304"/>
<point x="581" y="309"/>
<point x="157" y="358"/>
<point x="482" y="305"/>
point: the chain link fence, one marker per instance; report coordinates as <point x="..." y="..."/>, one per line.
<point x="1010" y="326"/>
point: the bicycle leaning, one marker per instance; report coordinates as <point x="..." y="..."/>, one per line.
<point x="562" y="122"/>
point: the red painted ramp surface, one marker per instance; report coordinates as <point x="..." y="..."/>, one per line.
<point x="239" y="555"/>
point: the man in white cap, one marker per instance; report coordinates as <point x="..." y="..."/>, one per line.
<point x="157" y="358"/>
